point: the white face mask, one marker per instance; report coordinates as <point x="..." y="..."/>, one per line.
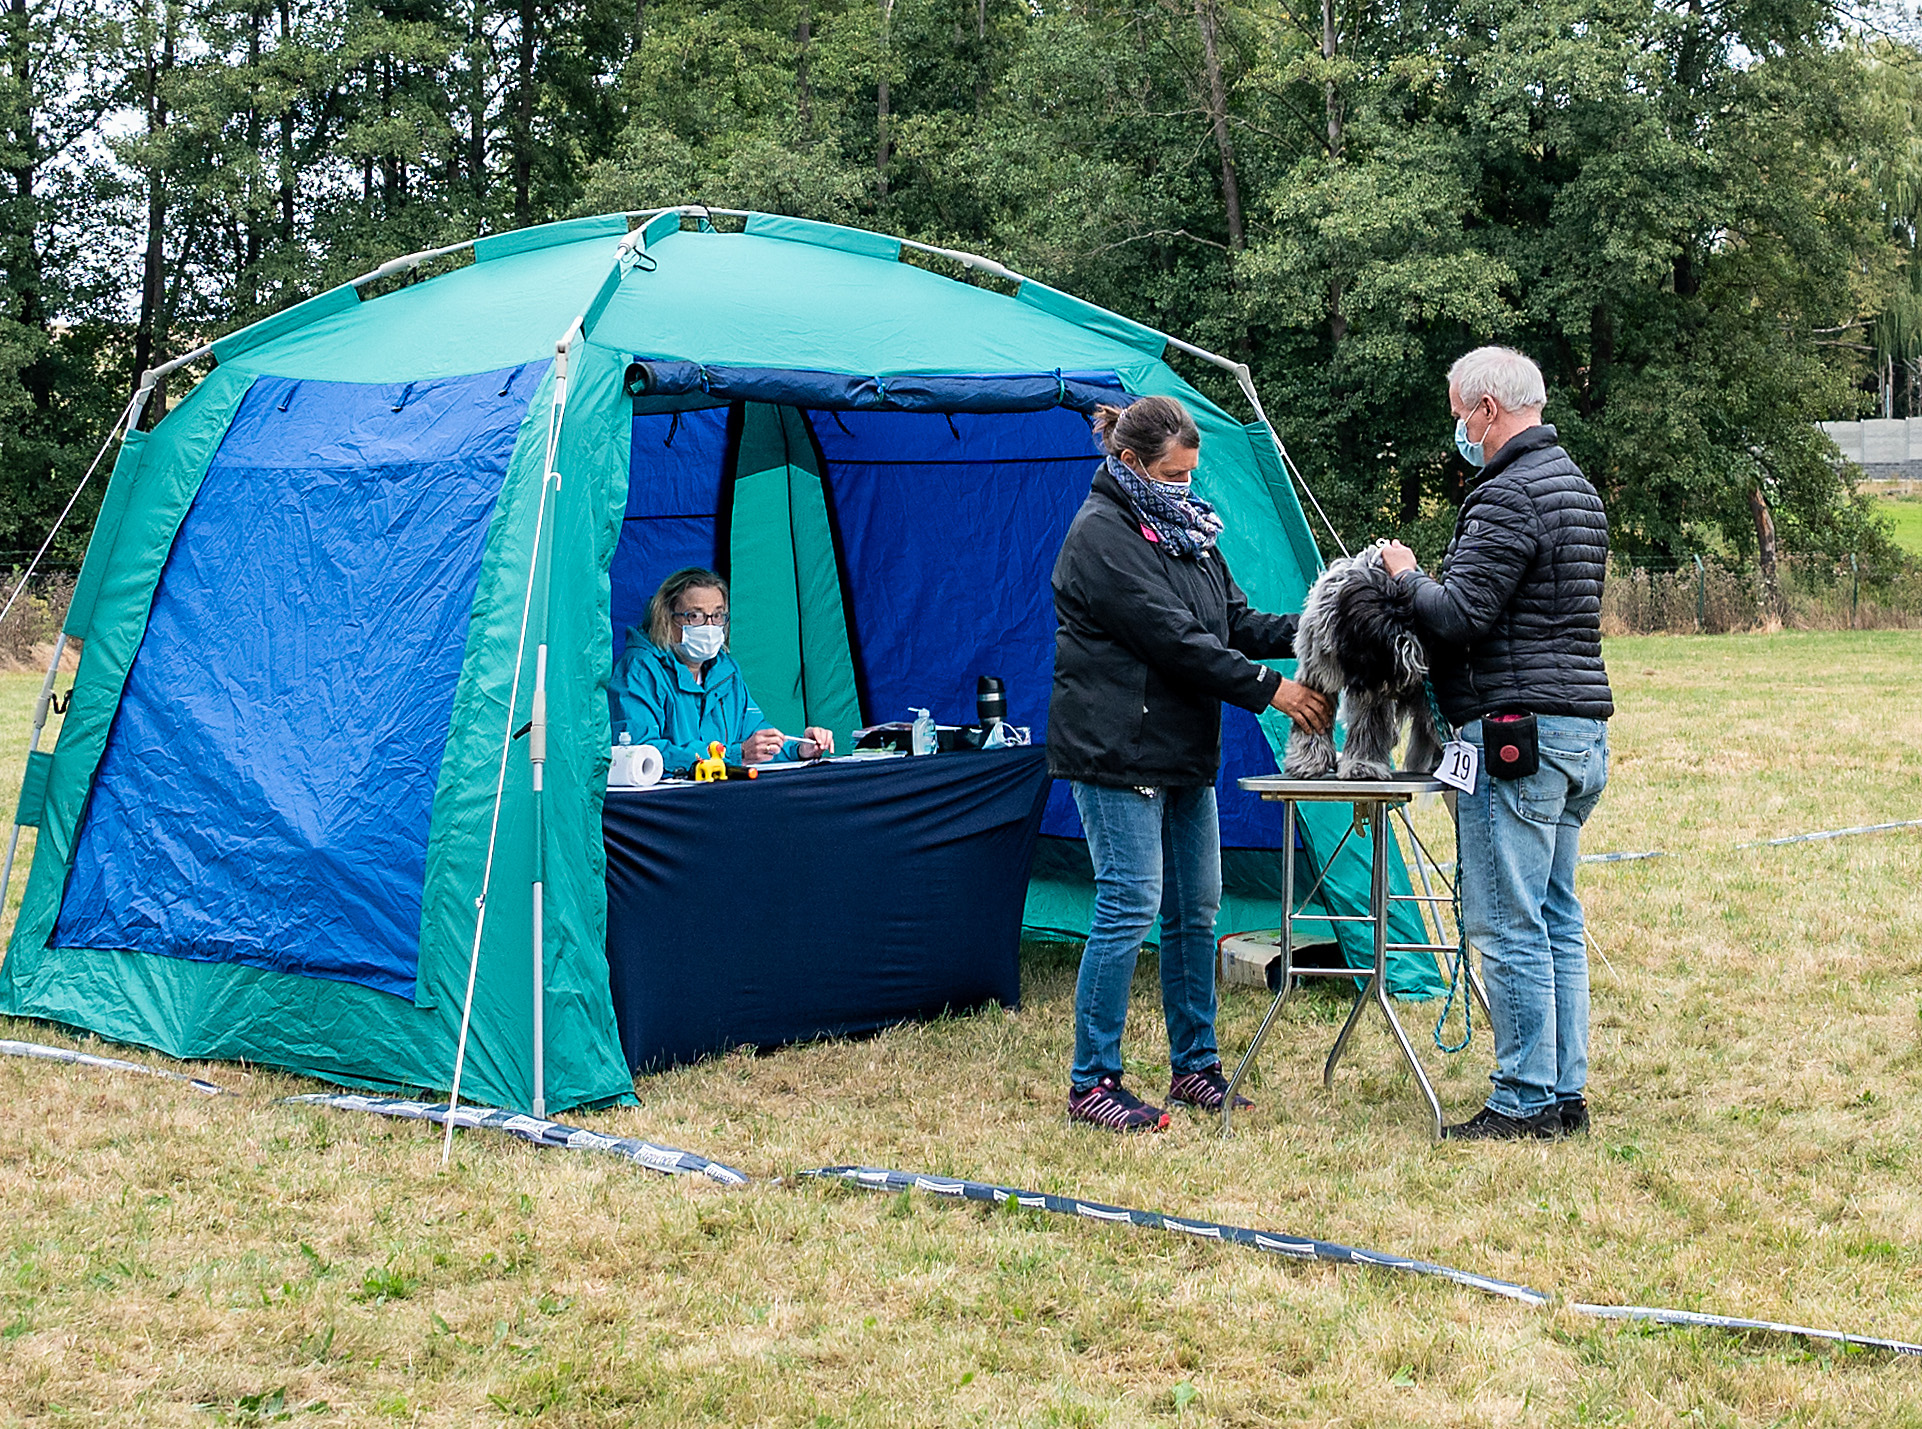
<point x="701" y="643"/>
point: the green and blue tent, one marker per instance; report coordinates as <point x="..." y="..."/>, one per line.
<point x="326" y="591"/>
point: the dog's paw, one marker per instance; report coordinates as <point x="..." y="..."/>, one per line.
<point x="1308" y="759"/>
<point x="1363" y="768"/>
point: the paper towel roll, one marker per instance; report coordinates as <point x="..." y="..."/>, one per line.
<point x="635" y="766"/>
<point x="647" y="766"/>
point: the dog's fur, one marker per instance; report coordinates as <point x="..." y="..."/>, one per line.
<point x="1356" y="642"/>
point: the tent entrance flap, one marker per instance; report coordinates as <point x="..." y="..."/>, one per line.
<point x="265" y="791"/>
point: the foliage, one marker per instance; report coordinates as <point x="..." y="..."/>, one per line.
<point x="1701" y="220"/>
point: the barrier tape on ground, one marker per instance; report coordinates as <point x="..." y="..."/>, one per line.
<point x="1303" y="1248"/>
<point x="540" y="1131"/>
<point x="105" y="1064"/>
<point x="1727" y="1322"/>
<point x="1833" y="834"/>
<point x="1273" y="1242"/>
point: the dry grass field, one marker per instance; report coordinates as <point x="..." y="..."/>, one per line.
<point x="167" y="1258"/>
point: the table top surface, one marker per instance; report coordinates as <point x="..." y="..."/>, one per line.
<point x="1398" y="788"/>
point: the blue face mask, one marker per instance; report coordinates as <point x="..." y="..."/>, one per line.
<point x="1471" y="451"/>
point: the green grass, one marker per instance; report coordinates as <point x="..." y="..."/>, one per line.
<point x="1905" y="515"/>
<point x="171" y="1259"/>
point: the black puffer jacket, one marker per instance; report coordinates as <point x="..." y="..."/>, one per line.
<point x="1514" y="623"/>
<point x="1147" y="646"/>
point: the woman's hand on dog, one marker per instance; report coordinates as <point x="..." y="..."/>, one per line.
<point x="1396" y="558"/>
<point x="1308" y="708"/>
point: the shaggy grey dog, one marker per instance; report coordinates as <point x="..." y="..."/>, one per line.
<point x="1357" y="641"/>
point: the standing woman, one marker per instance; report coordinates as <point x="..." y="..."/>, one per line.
<point x="1153" y="634"/>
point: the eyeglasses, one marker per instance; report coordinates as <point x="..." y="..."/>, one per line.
<point x="685" y="618"/>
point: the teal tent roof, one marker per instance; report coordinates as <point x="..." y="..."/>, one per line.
<point x="749" y="299"/>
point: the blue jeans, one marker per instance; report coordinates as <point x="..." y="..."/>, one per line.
<point x="1154" y="854"/>
<point x="1519" y="840"/>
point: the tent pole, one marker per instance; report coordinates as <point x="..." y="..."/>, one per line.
<point x="507" y="740"/>
<point x="33" y="745"/>
<point x="537" y="757"/>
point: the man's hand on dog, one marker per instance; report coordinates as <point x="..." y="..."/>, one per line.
<point x="1308" y="708"/>
<point x="1396" y="558"/>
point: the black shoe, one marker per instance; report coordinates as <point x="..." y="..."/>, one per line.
<point x="1574" y="1114"/>
<point x="1491" y="1125"/>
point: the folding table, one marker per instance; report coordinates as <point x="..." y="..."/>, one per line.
<point x="1373" y="800"/>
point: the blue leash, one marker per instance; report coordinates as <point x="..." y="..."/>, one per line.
<point x="1460" y="969"/>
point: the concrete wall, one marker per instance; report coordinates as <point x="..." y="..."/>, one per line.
<point x="1882" y="448"/>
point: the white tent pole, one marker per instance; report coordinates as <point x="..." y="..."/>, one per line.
<point x="537" y="757"/>
<point x="554" y="415"/>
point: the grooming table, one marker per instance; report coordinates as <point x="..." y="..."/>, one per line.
<point x="1373" y="799"/>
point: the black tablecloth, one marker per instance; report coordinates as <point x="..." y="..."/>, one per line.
<point x="817" y="902"/>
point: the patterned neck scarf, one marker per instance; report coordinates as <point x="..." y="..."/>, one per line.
<point x="1184" y="523"/>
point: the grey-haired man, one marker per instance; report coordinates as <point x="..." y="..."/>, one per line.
<point x="1513" y="628"/>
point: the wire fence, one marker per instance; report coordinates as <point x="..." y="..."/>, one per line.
<point x="1701" y="595"/>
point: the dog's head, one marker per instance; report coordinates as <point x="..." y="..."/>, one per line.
<point x="1374" y="627"/>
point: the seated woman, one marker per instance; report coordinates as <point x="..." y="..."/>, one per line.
<point x="677" y="688"/>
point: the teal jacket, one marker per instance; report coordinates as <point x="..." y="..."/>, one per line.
<point x="657" y="700"/>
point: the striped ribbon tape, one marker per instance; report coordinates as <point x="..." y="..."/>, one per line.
<point x="105" y="1064"/>
<point x="1274" y="1243"/>
<point x="542" y="1132"/>
<point x="672" y="1161"/>
<point x="1305" y="1248"/>
<point x="1834" y="834"/>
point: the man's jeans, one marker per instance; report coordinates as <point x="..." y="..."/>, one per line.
<point x="1153" y="853"/>
<point x="1519" y="839"/>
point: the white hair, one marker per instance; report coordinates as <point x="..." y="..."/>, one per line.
<point x="1499" y="372"/>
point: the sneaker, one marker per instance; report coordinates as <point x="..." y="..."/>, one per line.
<point x="1107" y="1103"/>
<point x="1574" y="1114"/>
<point x="1491" y="1125"/>
<point x="1204" y="1089"/>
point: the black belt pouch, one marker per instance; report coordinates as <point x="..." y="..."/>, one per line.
<point x="1508" y="742"/>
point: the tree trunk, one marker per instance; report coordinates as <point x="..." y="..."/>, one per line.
<point x="23" y="146"/>
<point x="803" y="84"/>
<point x="150" y="327"/>
<point x="981" y="55"/>
<point x="1600" y="358"/>
<point x="882" y="149"/>
<point x="481" y="55"/>
<point x="524" y="120"/>
<point x="286" y="134"/>
<point x="251" y="212"/>
<point x="1218" y="119"/>
<point x="1337" y="138"/>
<point x="1765" y="552"/>
<point x="1330" y="98"/>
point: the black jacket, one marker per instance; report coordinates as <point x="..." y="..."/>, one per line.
<point x="1147" y="646"/>
<point x="1515" y="622"/>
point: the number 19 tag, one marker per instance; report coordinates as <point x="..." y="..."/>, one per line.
<point x="1460" y="761"/>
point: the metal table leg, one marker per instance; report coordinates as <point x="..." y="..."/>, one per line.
<point x="1372" y="814"/>
<point x="1376" y="987"/>
<point x="1287" y="964"/>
